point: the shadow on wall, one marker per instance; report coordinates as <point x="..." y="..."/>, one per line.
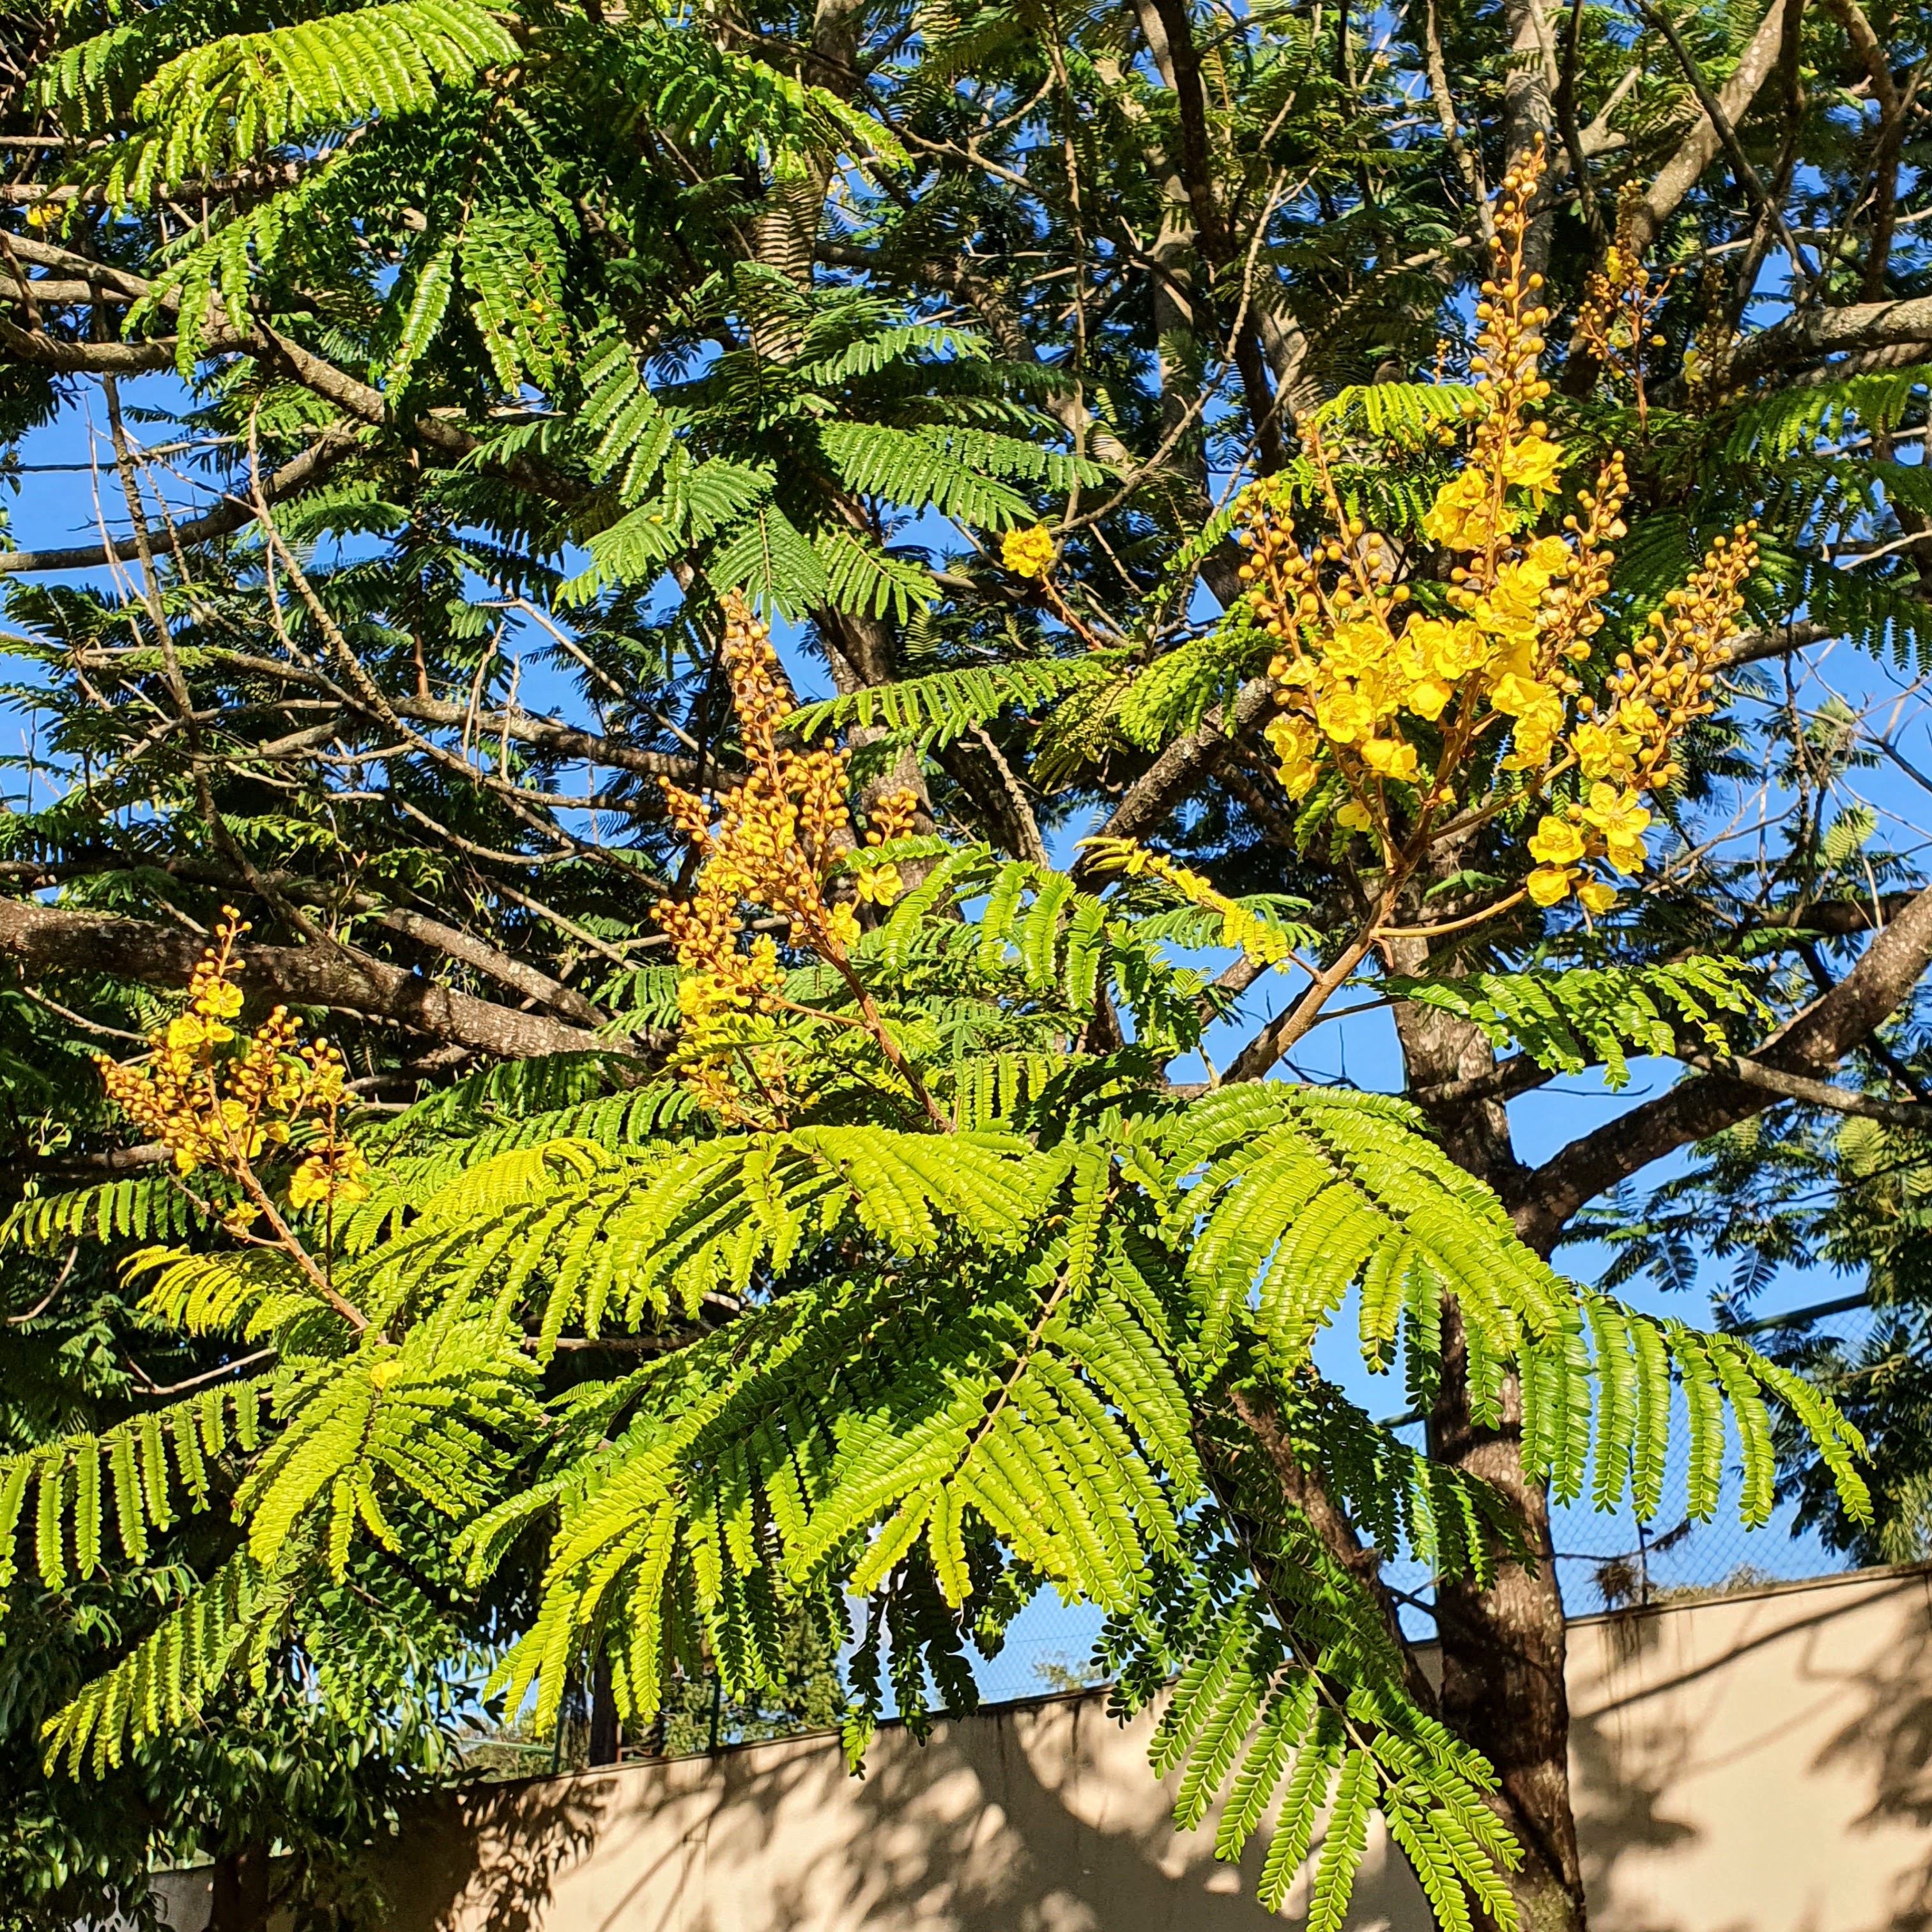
<point x="1756" y="1763"/>
<point x="492" y="1864"/>
<point x="1623" y="1796"/>
<point x="1887" y="1748"/>
<point x="1043" y="1818"/>
<point x="1759" y="1763"/>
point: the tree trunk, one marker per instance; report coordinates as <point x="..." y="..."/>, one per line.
<point x="605" y="1738"/>
<point x="239" y="1901"/>
<point x="1502" y="1649"/>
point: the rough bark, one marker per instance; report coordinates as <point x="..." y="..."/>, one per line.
<point x="1502" y="1649"/>
<point x="1700" y="147"/>
<point x="1153" y="795"/>
<point x="606" y="1737"/>
<point x="238" y="1891"/>
<point x="1197" y="175"/>
<point x="1813" y="333"/>
<point x="44" y="939"/>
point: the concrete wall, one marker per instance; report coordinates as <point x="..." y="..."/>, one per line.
<point x="1755" y="1763"/>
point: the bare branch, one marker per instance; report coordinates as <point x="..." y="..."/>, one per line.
<point x="48" y="939"/>
<point x="1543" y="1198"/>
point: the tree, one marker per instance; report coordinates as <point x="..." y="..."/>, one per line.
<point x="699" y="301"/>
<point x="324" y="1781"/>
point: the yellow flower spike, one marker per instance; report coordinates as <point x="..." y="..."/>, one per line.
<point x="1490" y="674"/>
<point x="1027" y="553"/>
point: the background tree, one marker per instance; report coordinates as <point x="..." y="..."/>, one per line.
<point x="816" y="304"/>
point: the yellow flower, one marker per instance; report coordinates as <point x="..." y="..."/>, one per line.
<point x="187" y="1031"/>
<point x="1295" y="743"/>
<point x="1390" y="758"/>
<point x="1549" y="885"/>
<point x="220" y="999"/>
<point x="1429" y="697"/>
<point x="1356" y="650"/>
<point x="1291" y="738"/>
<point x="1459" y="517"/>
<point x="1598" y="897"/>
<point x="1414" y="684"/>
<point x="844" y="925"/>
<point x="1355" y="816"/>
<point x="1637" y="718"/>
<point x="1600" y="752"/>
<point x="1442" y="655"/>
<point x="1345" y="715"/>
<point x="334" y="1174"/>
<point x="880" y="884"/>
<point x="1027" y="553"/>
<point x="1622" y="820"/>
<point x="1516" y="594"/>
<point x="1516" y="695"/>
<point x="1538" y="712"/>
<point x="1557" y="842"/>
<point x="1535" y="464"/>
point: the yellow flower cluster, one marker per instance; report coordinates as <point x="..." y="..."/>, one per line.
<point x="1240" y="927"/>
<point x="1380" y="695"/>
<point x="1027" y="553"/>
<point x="216" y="1099"/>
<point x="776" y="835"/>
<point x="1617" y="322"/>
<point x="891" y="818"/>
<point x="775" y="839"/>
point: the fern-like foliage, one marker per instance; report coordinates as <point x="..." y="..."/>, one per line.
<point x="1590" y="1016"/>
<point x="942" y="708"/>
<point x="932" y="1372"/>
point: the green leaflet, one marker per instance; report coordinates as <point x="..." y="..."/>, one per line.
<point x="218" y="105"/>
<point x="72" y="1491"/>
<point x="948" y="704"/>
<point x="1588" y="1015"/>
<point x="166" y="1679"/>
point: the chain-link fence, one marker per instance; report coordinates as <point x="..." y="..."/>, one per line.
<point x="1609" y="1561"/>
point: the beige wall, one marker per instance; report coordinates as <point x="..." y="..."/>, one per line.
<point x="1757" y="1763"/>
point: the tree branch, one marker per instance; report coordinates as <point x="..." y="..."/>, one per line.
<point x="1700" y="147"/>
<point x="48" y="939"/>
<point x="1819" y="332"/>
<point x="1543" y="1198"/>
<point x="310" y="467"/>
<point x="1814" y="1092"/>
<point x="1169" y="778"/>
